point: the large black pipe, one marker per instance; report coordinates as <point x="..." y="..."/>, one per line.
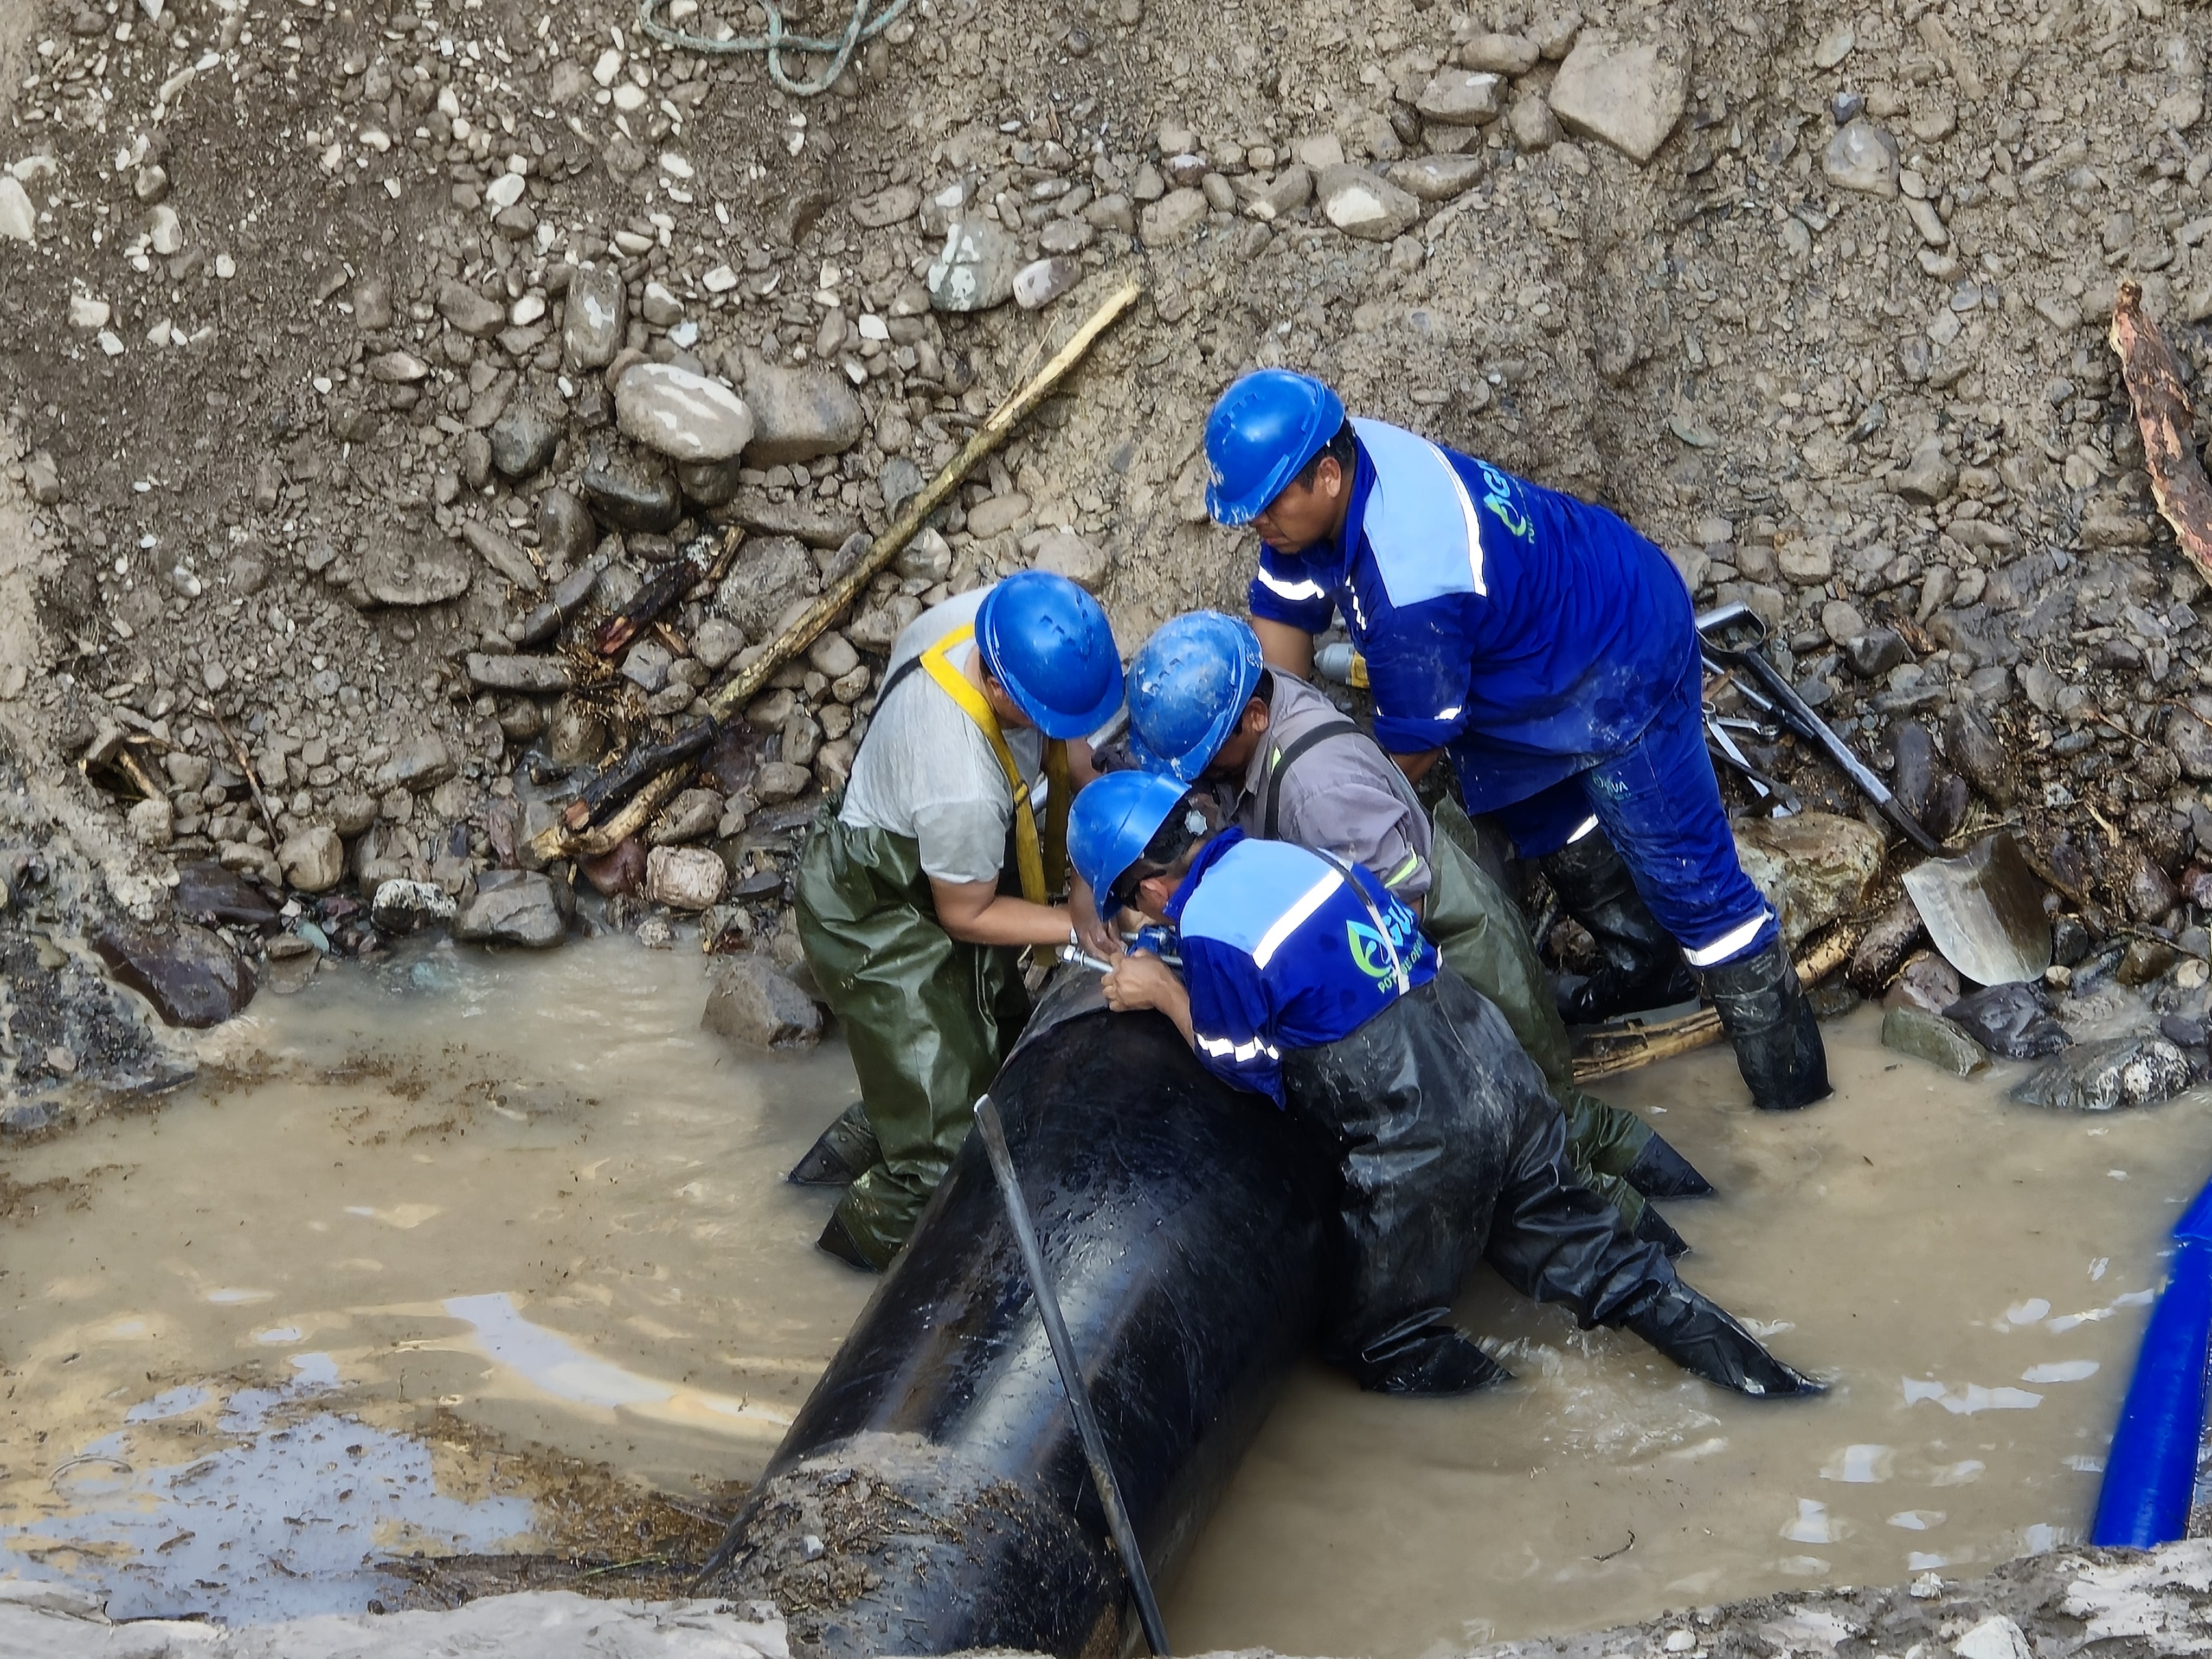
<point x="933" y="1495"/>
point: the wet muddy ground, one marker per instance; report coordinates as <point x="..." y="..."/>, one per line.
<point x="492" y="1256"/>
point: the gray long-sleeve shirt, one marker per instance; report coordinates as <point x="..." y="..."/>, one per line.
<point x="1343" y="795"/>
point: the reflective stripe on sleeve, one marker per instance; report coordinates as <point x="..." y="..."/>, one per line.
<point x="1582" y="829"/>
<point x="1242" y="1053"/>
<point x="1290" y="920"/>
<point x="1276" y="584"/>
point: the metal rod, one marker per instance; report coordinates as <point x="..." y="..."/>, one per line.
<point x="1071" y="1376"/>
<point x="1794" y="708"/>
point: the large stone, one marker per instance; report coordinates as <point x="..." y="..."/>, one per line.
<point x="189" y="974"/>
<point x="1172" y="217"/>
<point x="513" y="907"/>
<point x="798" y="414"/>
<point x="1931" y="1037"/>
<point x="1626" y="94"/>
<point x="538" y="676"/>
<point x="465" y="309"/>
<point x="685" y="877"/>
<point x="313" y="859"/>
<point x="1438" y="178"/>
<point x="404" y="572"/>
<point x="501" y="555"/>
<point x="1813" y="868"/>
<point x="2104" y="1077"/>
<point x="1860" y="157"/>
<point x="1928" y="478"/>
<point x="635" y="493"/>
<point x="19" y="220"/>
<point x="422" y="763"/>
<point x="593" y="328"/>
<point x="1462" y="98"/>
<point x="751" y="1003"/>
<point x="566" y="534"/>
<point x="402" y="907"/>
<point x="685" y="417"/>
<point x="205" y="891"/>
<point x="1360" y="203"/>
<point x="1064" y="553"/>
<point x="2190" y="739"/>
<point x="523" y="439"/>
<point x="1978" y="753"/>
<point x="974" y="269"/>
<point x="770" y="571"/>
<point x="1501" y="54"/>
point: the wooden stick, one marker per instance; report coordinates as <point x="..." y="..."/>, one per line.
<point x="2152" y="375"/>
<point x="633" y="817"/>
<point x="558" y="841"/>
<point x="253" y="782"/>
<point x="1608" y="1052"/>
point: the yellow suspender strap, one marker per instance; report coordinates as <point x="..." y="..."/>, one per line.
<point x="1040" y="880"/>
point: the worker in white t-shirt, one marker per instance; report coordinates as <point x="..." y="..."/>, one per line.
<point x="919" y="891"/>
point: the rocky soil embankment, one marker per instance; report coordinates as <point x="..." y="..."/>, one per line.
<point x="360" y="361"/>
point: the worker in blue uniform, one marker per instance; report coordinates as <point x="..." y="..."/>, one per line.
<point x="1305" y="980"/>
<point x="1553" y="653"/>
<point x="1286" y="764"/>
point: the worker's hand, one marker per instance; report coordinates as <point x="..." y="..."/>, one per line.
<point x="1140" y="980"/>
<point x="1091" y="932"/>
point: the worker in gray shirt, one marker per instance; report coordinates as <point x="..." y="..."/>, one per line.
<point x="1289" y="765"/>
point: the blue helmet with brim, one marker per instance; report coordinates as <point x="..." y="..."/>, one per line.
<point x="1113" y="822"/>
<point x="1049" y="644"/>
<point x="1187" y="688"/>
<point x="1260" y="435"/>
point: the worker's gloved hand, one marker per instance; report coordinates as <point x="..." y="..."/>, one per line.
<point x="1141" y="981"/>
<point x="1092" y="935"/>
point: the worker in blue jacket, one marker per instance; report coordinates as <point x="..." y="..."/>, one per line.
<point x="1305" y="980"/>
<point x="1552" y="652"/>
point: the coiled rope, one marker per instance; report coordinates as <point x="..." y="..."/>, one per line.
<point x="778" y="41"/>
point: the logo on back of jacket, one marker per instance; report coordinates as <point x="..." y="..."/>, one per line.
<point x="1373" y="955"/>
<point x="1498" y="496"/>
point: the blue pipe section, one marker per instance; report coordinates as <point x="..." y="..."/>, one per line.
<point x="2152" y="1472"/>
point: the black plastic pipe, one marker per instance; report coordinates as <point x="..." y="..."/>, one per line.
<point x="932" y="1494"/>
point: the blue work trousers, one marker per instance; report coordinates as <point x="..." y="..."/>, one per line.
<point x="1659" y="803"/>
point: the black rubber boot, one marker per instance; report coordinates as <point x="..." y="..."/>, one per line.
<point x="839" y="1155"/>
<point x="1436" y="1359"/>
<point x="1660" y="1171"/>
<point x="1654" y="1228"/>
<point x="837" y="1240"/>
<point x="1777" y="1040"/>
<point x="1644" y="966"/>
<point x="1700" y="1335"/>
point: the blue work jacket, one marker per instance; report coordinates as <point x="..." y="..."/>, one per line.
<point x="1531" y="634"/>
<point x="1281" y="952"/>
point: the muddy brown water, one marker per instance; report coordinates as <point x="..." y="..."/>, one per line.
<point x="528" y="1195"/>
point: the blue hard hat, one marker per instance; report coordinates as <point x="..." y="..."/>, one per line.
<point x="1188" y="689"/>
<point x="1113" y="820"/>
<point x="1262" y="431"/>
<point x="1049" y="644"/>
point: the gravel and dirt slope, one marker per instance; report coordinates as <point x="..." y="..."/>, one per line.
<point x="329" y="335"/>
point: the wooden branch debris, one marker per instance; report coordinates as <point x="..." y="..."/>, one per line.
<point x="1608" y="1052"/>
<point x="564" y="840"/>
<point x="666" y="586"/>
<point x="2152" y="375"/>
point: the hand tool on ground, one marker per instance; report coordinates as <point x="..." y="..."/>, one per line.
<point x="1750" y="657"/>
<point x="1071" y="1374"/>
<point x="1778" y="795"/>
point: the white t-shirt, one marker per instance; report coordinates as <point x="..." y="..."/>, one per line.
<point x="927" y="771"/>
